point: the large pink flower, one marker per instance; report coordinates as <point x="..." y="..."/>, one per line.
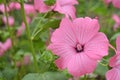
<point x="114" y="73"/>
<point x="79" y="45"/>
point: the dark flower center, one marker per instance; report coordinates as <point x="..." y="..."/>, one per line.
<point x="79" y="48"/>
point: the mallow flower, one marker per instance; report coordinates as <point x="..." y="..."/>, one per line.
<point x="62" y="6"/>
<point x="116" y="18"/>
<point x="10" y="20"/>
<point x="79" y="45"/>
<point x="116" y="3"/>
<point x="114" y="73"/>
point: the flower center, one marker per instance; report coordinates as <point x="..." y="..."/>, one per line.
<point x="79" y="48"/>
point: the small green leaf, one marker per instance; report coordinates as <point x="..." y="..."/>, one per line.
<point x="114" y="36"/>
<point x="45" y="25"/>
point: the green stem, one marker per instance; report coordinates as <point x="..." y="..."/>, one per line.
<point x="28" y="35"/>
<point x="85" y="77"/>
<point x="8" y="26"/>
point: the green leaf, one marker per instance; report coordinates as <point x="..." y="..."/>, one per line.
<point x="45" y="25"/>
<point x="114" y="36"/>
<point x="45" y="76"/>
<point x="1" y="1"/>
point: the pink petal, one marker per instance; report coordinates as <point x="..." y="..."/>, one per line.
<point x="97" y="47"/>
<point x="67" y="2"/>
<point x="7" y="44"/>
<point x="26" y="59"/>
<point x="107" y="1"/>
<point x="118" y="43"/>
<point x="116" y="3"/>
<point x="85" y="29"/>
<point x="116" y="18"/>
<point x="2" y="8"/>
<point x="61" y="49"/>
<point x="14" y="5"/>
<point x="29" y="9"/>
<point x="62" y="62"/>
<point x="10" y="20"/>
<point x="113" y="74"/>
<point x="64" y="34"/>
<point x="40" y="6"/>
<point x="115" y="60"/>
<point x="68" y="10"/>
<point x="81" y="64"/>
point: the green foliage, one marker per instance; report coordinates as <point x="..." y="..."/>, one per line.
<point x="45" y="76"/>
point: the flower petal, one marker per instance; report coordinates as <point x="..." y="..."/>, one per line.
<point x="61" y="49"/>
<point x="97" y="47"/>
<point x="64" y="34"/>
<point x="78" y="65"/>
<point x="85" y="28"/>
<point x="113" y="74"/>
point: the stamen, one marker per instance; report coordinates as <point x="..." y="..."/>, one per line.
<point x="79" y="48"/>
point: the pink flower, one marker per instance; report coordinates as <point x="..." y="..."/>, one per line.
<point x="14" y="5"/>
<point x="116" y="3"/>
<point x="7" y="44"/>
<point x="26" y="59"/>
<point x="66" y="7"/>
<point x="29" y="9"/>
<point x="10" y="20"/>
<point x="1" y="49"/>
<point x="107" y="1"/>
<point x="2" y="8"/>
<point x="62" y="6"/>
<point x="114" y="73"/>
<point x="78" y="43"/>
<point x="41" y="6"/>
<point x="116" y="18"/>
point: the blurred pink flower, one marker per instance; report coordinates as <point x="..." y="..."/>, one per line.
<point x="114" y="73"/>
<point x="62" y="6"/>
<point x="116" y="3"/>
<point x="14" y="5"/>
<point x="1" y="49"/>
<point x="107" y="1"/>
<point x="10" y="20"/>
<point x="22" y="27"/>
<point x="29" y="9"/>
<point x="7" y="44"/>
<point x="116" y="18"/>
<point x="26" y="59"/>
<point x="2" y="8"/>
<point x="78" y="43"/>
<point x="41" y="6"/>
